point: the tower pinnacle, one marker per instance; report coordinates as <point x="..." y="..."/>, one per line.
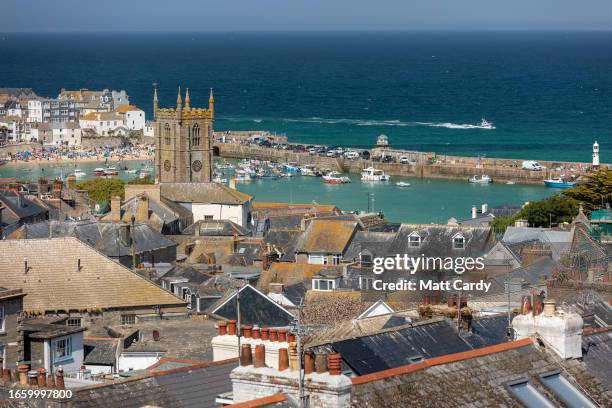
<point x="187" y="100"/>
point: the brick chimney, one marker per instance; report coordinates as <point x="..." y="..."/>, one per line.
<point x="142" y="212"/>
<point x="71" y="182"/>
<point x="57" y="188"/>
<point x="115" y="211"/>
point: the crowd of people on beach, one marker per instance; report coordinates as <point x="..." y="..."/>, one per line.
<point x="64" y="153"/>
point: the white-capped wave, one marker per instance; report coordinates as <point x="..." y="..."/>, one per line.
<point x="367" y="122"/>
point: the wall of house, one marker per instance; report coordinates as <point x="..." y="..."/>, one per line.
<point x="234" y="213"/>
<point x="76" y="360"/>
<point x="135" y="120"/>
<point x="10" y="338"/>
<point x="138" y="361"/>
<point x="99" y="369"/>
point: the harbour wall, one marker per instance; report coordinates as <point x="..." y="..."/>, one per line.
<point x="443" y="167"/>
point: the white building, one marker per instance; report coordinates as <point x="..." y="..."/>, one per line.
<point x="149" y="129"/>
<point x="211" y="201"/>
<point x="104" y="123"/>
<point x="58" y="134"/>
<point x="35" y="111"/>
<point x="133" y="117"/>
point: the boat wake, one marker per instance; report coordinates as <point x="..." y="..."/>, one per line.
<point x="365" y="122"/>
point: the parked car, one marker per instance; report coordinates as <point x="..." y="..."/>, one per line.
<point x="404" y="160"/>
<point x="532" y="165"/>
<point x="351" y="155"/>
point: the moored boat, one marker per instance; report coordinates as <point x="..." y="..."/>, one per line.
<point x="79" y="173"/>
<point x="483" y="179"/>
<point x="560" y="182"/>
<point x="402" y="184"/>
<point x="372" y="174"/>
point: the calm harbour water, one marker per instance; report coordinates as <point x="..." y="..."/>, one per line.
<point x="425" y="201"/>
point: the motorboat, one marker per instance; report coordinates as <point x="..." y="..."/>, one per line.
<point x="372" y="174"/>
<point x="291" y="168"/>
<point x="402" y="184"/>
<point x="334" y="177"/>
<point x="510" y="182"/>
<point x="98" y="171"/>
<point x="111" y="171"/>
<point x="560" y="182"/>
<point x="483" y="179"/>
<point x="131" y="171"/>
<point x="79" y="173"/>
<point x="485" y="124"/>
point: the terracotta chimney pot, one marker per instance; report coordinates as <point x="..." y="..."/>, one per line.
<point x="321" y="363"/>
<point x="273" y="335"/>
<point x="247" y="331"/>
<point x="23" y="373"/>
<point x="549" y="307"/>
<point x="6" y="376"/>
<point x="231" y="327"/>
<point x="32" y="378"/>
<point x="260" y="356"/>
<point x="309" y="362"/>
<point x="222" y="327"/>
<point x="246" y="355"/>
<point x="334" y="364"/>
<point x="41" y="377"/>
<point x="255" y="333"/>
<point x="526" y="305"/>
<point x="283" y="359"/>
<point x="293" y="357"/>
<point x="290" y="337"/>
<point x="59" y="378"/>
<point x="265" y="333"/>
<point x="50" y="381"/>
<point x="282" y="335"/>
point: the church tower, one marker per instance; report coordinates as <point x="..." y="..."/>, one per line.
<point x="183" y="141"/>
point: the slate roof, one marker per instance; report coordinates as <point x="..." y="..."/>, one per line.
<point x="160" y="213"/>
<point x="597" y="354"/>
<point x="327" y="236"/>
<point x="54" y="281"/>
<point x="205" y="193"/>
<point x="478" y="378"/>
<point x="437" y="240"/>
<point x="215" y="228"/>
<point x="192" y="386"/>
<point x="370" y="243"/>
<point x="43" y="330"/>
<point x="255" y="308"/>
<point x="18" y="206"/>
<point x="103" y="236"/>
<point x="100" y="352"/>
<point x="398" y="346"/>
<point x="285" y="241"/>
<point x="288" y="273"/>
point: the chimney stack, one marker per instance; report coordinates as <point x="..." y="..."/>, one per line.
<point x="59" y="378"/>
<point x="23" y="374"/>
<point x="222" y="328"/>
<point x="246" y="356"/>
<point x="57" y="188"/>
<point x="526" y="305"/>
<point x="71" y="182"/>
<point x="260" y="356"/>
<point x="334" y="364"/>
<point x="142" y="211"/>
<point x="320" y="363"/>
<point x="41" y="377"/>
<point x="231" y="327"/>
<point x="549" y="307"/>
<point x="283" y="359"/>
<point x="115" y="211"/>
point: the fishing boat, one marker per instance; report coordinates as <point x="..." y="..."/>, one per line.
<point x="334" y="177"/>
<point x="111" y="171"/>
<point x="291" y="168"/>
<point x="483" y="179"/>
<point x="131" y="171"/>
<point x="510" y="182"/>
<point x="372" y="174"/>
<point x="79" y="173"/>
<point x="402" y="184"/>
<point x="560" y="182"/>
<point x="98" y="171"/>
<point x="143" y="174"/>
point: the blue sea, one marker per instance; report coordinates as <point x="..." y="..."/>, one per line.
<point x="548" y="94"/>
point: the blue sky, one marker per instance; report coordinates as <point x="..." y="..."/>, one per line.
<point x="228" y="15"/>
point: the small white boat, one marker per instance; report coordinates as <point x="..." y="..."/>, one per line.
<point x="510" y="182"/>
<point x="131" y="171"/>
<point x="372" y="174"/>
<point x="402" y="184"/>
<point x="484" y="179"/>
<point x="485" y="124"/>
<point x="79" y="173"/>
<point x="143" y="174"/>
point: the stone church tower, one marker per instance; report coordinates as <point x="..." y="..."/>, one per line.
<point x="183" y="141"/>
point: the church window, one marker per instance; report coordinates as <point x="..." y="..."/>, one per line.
<point x="195" y="135"/>
<point x="167" y="134"/>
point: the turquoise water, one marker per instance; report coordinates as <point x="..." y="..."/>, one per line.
<point x="425" y="201"/>
<point x="549" y="94"/>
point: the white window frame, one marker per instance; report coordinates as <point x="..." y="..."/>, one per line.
<point x="127" y="316"/>
<point x="316" y="284"/>
<point x="336" y="259"/>
<point x="316" y="257"/>
<point x="458" y="236"/>
<point x="418" y="242"/>
<point x="67" y="348"/>
<point x="74" y="318"/>
<point x="366" y="283"/>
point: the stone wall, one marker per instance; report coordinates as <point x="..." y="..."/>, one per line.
<point x="450" y="167"/>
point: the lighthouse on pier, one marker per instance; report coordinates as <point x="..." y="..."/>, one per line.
<point x="595" y="154"/>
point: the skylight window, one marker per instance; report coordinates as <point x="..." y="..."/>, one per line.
<point x="528" y="395"/>
<point x="458" y="241"/>
<point x="565" y="391"/>
<point x="414" y="240"/>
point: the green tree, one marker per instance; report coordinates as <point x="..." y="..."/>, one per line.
<point x="143" y="180"/>
<point x="549" y="211"/>
<point x="101" y="189"/>
<point x="595" y="192"/>
<point x="499" y="224"/>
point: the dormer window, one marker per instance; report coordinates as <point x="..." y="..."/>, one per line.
<point x="323" y="284"/>
<point x="414" y="240"/>
<point x="458" y="241"/>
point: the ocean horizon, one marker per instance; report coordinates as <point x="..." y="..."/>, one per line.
<point x="547" y="93"/>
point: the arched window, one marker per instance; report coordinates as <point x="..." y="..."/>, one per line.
<point x="167" y="134"/>
<point x="195" y="135"/>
